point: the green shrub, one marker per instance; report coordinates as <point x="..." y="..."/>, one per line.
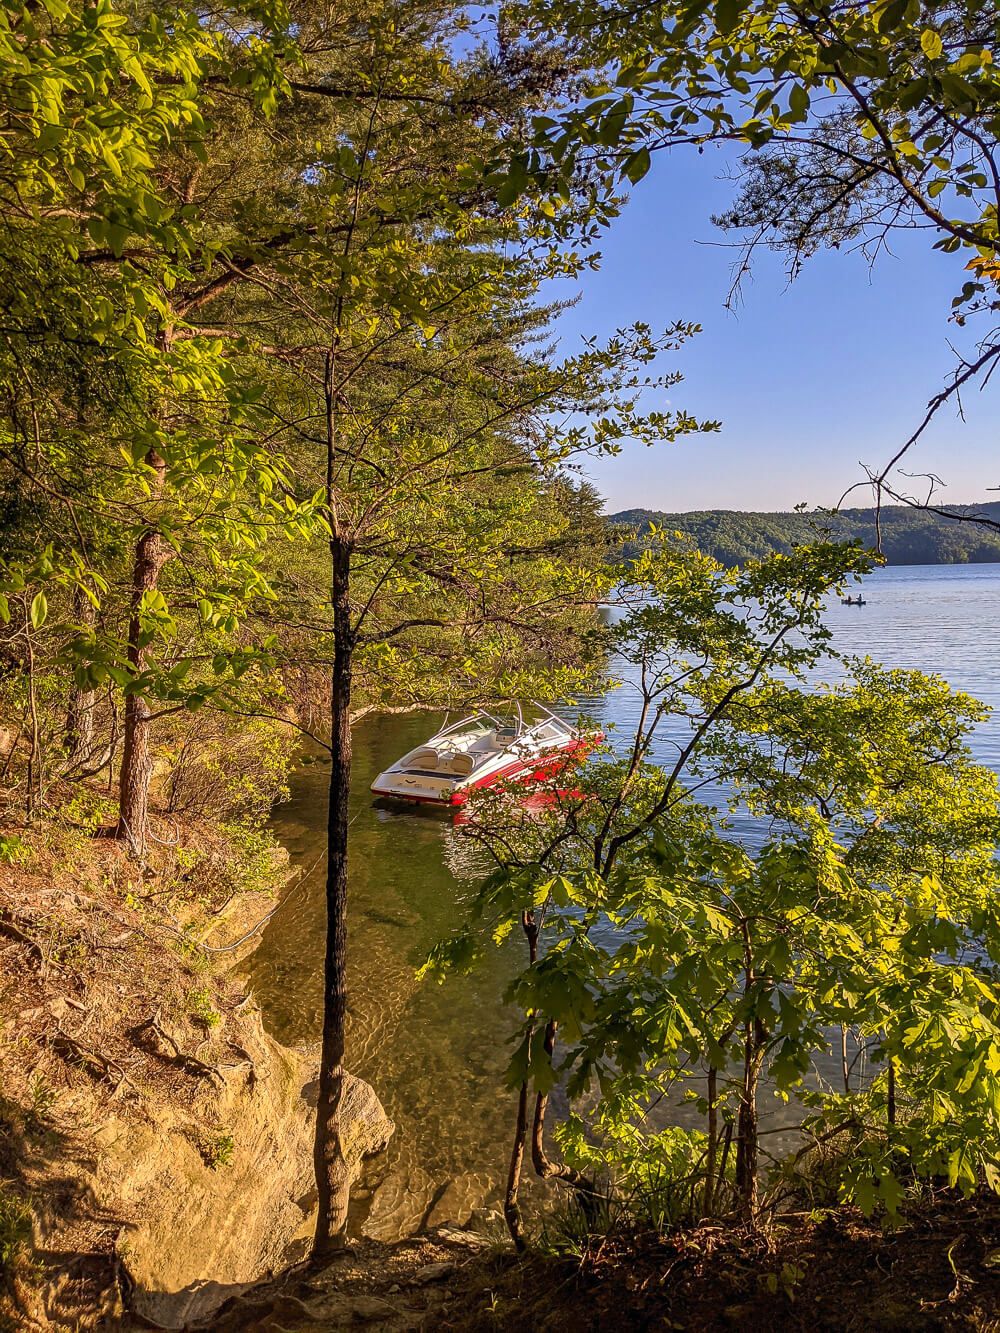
<point x="13" y="849"/>
<point x="201" y="1008"/>
<point x="217" y="1149"/>
<point x="15" y="1228"/>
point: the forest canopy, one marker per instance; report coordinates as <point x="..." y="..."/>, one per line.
<point x="909" y="536"/>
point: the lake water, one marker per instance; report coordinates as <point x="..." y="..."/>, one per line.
<point x="436" y="1054"/>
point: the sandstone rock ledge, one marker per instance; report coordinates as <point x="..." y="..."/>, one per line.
<point x="205" y="1233"/>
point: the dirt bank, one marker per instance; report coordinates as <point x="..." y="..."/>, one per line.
<point x="939" y="1269"/>
<point x="155" y="1145"/>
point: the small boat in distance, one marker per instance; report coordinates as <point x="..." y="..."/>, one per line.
<point x="480" y="751"/>
<point x="854" y="601"/>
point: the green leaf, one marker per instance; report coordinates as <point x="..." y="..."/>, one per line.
<point x="864" y="1195"/>
<point x="958" y="91"/>
<point x="891" y="15"/>
<point x="912" y="94"/>
<point x="39" y="610"/>
<point x="636" y="165"/>
<point x="517" y="1070"/>
<point x="798" y="102"/>
<point x="727" y="15"/>
<point x="892" y="1193"/>
<point x="931" y="44"/>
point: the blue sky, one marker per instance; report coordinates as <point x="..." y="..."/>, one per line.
<point x="806" y="378"/>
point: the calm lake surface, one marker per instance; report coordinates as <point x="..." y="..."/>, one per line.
<point x="436" y="1054"/>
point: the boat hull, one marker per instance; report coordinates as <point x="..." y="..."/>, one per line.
<point x="416" y="790"/>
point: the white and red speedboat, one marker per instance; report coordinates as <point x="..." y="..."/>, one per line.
<point x="480" y="751"/>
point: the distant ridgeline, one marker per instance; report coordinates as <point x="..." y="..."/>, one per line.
<point x="909" y="536"/>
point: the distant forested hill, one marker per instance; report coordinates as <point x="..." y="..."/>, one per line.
<point x="909" y="536"/>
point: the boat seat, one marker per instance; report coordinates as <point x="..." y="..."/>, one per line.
<point x="462" y="764"/>
<point x="425" y="758"/>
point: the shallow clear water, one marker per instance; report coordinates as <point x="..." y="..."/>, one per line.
<point x="436" y="1054"/>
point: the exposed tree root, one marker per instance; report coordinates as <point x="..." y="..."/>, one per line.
<point x="152" y="1037"/>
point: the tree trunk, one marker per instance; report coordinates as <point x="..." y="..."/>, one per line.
<point x="332" y="1177"/>
<point x="511" y="1207"/>
<point x="712" y="1151"/>
<point x="78" y="738"/>
<point x="890" y="1110"/>
<point x="747" y="1136"/>
<point x="33" y="794"/>
<point x="543" y="1164"/>
<point x="151" y="554"/>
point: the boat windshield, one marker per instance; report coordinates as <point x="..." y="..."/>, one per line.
<point x="500" y="731"/>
